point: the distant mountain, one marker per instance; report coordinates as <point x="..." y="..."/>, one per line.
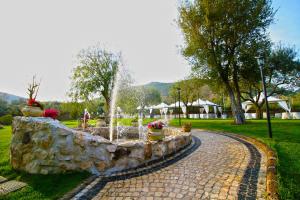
<point x="163" y="88"/>
<point x="10" y="97"/>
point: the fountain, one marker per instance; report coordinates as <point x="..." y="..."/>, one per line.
<point x="113" y="105"/>
<point x="99" y="150"/>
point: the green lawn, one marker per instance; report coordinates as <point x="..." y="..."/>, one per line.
<point x="74" y="123"/>
<point x="39" y="186"/>
<point x="286" y="142"/>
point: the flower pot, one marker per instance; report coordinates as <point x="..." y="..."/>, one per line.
<point x="186" y="129"/>
<point x="30" y="111"/>
<point x="155" y="135"/>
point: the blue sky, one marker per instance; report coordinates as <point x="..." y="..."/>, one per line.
<point x="42" y="38"/>
<point x="287" y="22"/>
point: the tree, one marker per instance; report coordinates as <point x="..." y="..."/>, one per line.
<point x="95" y="75"/>
<point x="190" y="91"/>
<point x="214" y="32"/>
<point x="127" y="97"/>
<point x="281" y="70"/>
<point x="3" y="107"/>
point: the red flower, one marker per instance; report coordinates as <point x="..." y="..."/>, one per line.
<point x="155" y="125"/>
<point x="50" y="113"/>
<point x="31" y="102"/>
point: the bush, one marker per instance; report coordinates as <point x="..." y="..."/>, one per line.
<point x="6" y="119"/>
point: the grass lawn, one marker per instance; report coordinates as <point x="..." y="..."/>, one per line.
<point x="74" y="123"/>
<point x="286" y="142"/>
<point x="39" y="186"/>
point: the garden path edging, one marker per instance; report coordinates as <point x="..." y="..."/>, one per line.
<point x="271" y="178"/>
<point x="93" y="184"/>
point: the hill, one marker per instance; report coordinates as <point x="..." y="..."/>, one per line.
<point x="10" y="97"/>
<point x="163" y="88"/>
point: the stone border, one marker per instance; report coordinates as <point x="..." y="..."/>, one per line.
<point x="95" y="184"/>
<point x="271" y="178"/>
<point x="77" y="189"/>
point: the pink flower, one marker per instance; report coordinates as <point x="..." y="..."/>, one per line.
<point x="53" y="113"/>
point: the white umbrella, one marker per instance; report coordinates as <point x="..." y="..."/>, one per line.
<point x="282" y="103"/>
<point x="173" y="105"/>
<point x="162" y="105"/>
<point x="199" y="102"/>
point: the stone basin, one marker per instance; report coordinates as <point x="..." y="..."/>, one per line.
<point x="45" y="146"/>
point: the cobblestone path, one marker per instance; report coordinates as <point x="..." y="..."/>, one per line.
<point x="221" y="168"/>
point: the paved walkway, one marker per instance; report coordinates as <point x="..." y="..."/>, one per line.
<point x="221" y="168"/>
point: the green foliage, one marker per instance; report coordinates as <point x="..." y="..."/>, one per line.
<point x="190" y="90"/>
<point x="131" y="97"/>
<point x="283" y="68"/>
<point x="6" y="119"/>
<point x="215" y="32"/>
<point x="12" y="108"/>
<point x="3" y="107"/>
<point x="286" y="142"/>
<point x="95" y="75"/>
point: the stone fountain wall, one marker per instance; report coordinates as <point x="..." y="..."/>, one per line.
<point x="45" y="146"/>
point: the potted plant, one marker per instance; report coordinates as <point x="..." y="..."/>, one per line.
<point x="155" y="131"/>
<point x="187" y="127"/>
<point x="33" y="107"/>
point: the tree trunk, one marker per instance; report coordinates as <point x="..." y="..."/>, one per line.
<point x="259" y="112"/>
<point x="187" y="112"/>
<point x="236" y="109"/>
<point x="107" y="110"/>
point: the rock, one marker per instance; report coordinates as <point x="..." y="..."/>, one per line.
<point x="148" y="150"/>
<point x="101" y="165"/>
<point x="171" y="146"/>
<point x="159" y="149"/>
<point x="111" y="148"/>
<point x="85" y="165"/>
<point x="126" y="162"/>
<point x="45" y="146"/>
<point x="40" y="154"/>
<point x="138" y="153"/>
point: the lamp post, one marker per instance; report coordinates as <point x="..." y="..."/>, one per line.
<point x="178" y="90"/>
<point x="175" y="107"/>
<point x="261" y="63"/>
<point x="199" y="105"/>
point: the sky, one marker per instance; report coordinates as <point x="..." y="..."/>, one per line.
<point x="42" y="38"/>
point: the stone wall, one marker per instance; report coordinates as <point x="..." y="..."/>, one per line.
<point x="44" y="146"/>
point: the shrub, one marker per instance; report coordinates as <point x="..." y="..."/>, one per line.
<point x="6" y="119"/>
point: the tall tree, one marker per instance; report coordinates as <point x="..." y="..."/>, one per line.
<point x="214" y="31"/>
<point x="281" y="70"/>
<point x="95" y="75"/>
